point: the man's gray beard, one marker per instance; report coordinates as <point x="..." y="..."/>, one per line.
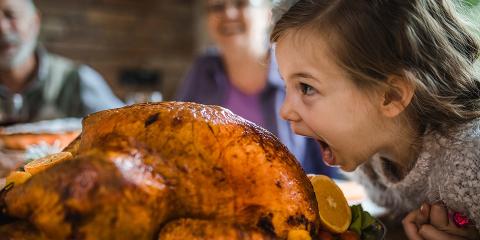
<point x="25" y="51"/>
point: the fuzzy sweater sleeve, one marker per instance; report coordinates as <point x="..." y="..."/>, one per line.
<point x="458" y="178"/>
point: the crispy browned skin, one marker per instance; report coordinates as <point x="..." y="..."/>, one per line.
<point x="143" y="167"/>
<point x="194" y="229"/>
<point x="20" y="231"/>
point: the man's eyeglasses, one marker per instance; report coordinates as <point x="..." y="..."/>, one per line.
<point x="221" y="5"/>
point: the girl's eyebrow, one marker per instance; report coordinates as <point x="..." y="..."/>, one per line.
<point x="302" y="75"/>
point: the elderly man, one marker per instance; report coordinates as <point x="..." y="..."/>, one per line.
<point x="36" y="85"/>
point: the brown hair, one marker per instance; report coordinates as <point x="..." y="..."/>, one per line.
<point x="424" y="41"/>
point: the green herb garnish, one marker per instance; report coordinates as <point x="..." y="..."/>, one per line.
<point x="364" y="224"/>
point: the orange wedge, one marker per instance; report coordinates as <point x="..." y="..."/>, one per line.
<point x="17" y="177"/>
<point x="41" y="164"/>
<point x="335" y="214"/>
<point x="298" y="234"/>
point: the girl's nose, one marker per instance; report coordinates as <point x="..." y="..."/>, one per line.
<point x="287" y="111"/>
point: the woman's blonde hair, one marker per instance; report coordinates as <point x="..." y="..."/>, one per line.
<point x="423" y="41"/>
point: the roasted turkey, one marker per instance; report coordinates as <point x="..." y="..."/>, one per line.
<point x="165" y="171"/>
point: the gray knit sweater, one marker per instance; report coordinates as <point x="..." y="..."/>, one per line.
<point x="447" y="169"/>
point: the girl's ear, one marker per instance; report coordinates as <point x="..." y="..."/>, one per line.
<point x="396" y="96"/>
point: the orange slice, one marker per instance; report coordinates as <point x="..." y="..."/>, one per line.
<point x="335" y="214"/>
<point x="41" y="164"/>
<point x="17" y="177"/>
<point x="298" y="234"/>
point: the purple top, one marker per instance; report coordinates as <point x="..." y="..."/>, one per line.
<point x="246" y="105"/>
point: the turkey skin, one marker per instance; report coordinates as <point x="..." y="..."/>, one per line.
<point x="168" y="170"/>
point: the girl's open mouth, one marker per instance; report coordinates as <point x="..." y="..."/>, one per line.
<point x="327" y="153"/>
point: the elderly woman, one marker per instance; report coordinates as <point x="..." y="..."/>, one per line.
<point x="239" y="74"/>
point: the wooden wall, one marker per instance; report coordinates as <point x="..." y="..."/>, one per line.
<point x="111" y="35"/>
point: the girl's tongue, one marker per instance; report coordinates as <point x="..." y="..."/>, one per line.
<point x="327" y="154"/>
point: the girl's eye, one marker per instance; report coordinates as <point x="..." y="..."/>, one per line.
<point x="307" y="89"/>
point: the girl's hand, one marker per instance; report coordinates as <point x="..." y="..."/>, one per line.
<point x="415" y="220"/>
<point x="433" y="222"/>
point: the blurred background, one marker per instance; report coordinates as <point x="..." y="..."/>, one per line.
<point x="150" y="41"/>
<point x="125" y="40"/>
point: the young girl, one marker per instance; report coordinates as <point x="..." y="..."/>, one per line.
<point x="388" y="87"/>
